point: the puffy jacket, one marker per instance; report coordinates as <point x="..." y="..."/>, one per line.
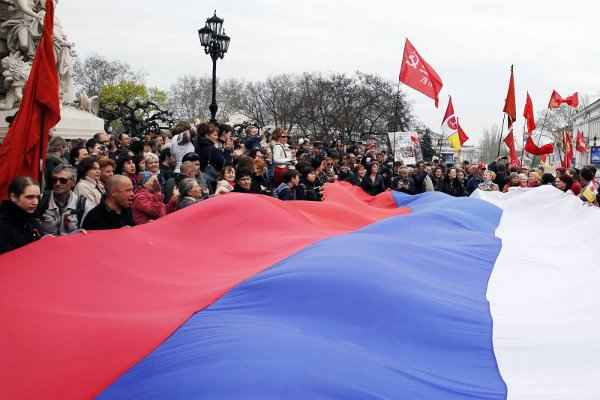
<point x="147" y="206"/>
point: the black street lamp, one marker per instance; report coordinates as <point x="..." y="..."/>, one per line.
<point x="215" y="43"/>
<point x="440" y="144"/>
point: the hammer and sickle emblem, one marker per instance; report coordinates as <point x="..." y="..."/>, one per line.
<point x="413" y="60"/>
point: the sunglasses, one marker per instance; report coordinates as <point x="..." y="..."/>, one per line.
<point x="62" y="181"/>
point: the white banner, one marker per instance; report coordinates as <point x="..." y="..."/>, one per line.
<point x="403" y="147"/>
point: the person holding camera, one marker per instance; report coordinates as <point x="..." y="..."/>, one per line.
<point x="404" y="183"/>
<point x="148" y="203"/>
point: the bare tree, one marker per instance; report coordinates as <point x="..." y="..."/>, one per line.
<point x="97" y="71"/>
<point x="189" y="97"/>
<point x="325" y="107"/>
<point x="488" y="145"/>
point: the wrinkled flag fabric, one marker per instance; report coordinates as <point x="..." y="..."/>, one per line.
<point x="242" y="296"/>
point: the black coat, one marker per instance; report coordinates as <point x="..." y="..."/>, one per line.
<point x="308" y="191"/>
<point x="373" y="187"/>
<point x="17" y="227"/>
<point x="209" y="154"/>
<point x="103" y="217"/>
<point x="455" y="188"/>
<point x="419" y="180"/>
<point x="259" y="182"/>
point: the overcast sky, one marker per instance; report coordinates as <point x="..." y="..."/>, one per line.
<point x="471" y="44"/>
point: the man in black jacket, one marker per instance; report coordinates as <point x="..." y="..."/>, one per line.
<point x="114" y="211"/>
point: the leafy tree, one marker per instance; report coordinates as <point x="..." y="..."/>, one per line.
<point x="132" y="107"/>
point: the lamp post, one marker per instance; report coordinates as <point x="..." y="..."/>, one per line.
<point x="440" y="144"/>
<point x="215" y="43"/>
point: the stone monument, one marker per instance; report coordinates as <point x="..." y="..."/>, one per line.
<point x="21" y="27"/>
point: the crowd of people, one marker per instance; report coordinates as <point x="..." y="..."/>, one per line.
<point x="114" y="181"/>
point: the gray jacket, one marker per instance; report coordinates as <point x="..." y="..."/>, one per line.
<point x="53" y="222"/>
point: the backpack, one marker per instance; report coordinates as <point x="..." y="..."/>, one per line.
<point x="79" y="209"/>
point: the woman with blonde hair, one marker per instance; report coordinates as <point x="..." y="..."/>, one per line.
<point x="533" y="180"/>
<point x="488" y="184"/>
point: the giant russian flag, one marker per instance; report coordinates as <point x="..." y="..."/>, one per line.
<point x="246" y="297"/>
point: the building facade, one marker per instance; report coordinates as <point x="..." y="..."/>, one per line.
<point x="587" y="120"/>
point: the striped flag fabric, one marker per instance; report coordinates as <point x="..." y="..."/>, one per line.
<point x="356" y="297"/>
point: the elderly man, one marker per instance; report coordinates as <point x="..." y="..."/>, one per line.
<point x="61" y="211"/>
<point x="115" y="209"/>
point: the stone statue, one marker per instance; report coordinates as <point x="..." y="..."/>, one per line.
<point x="21" y="27"/>
<point x="89" y="104"/>
<point x="15" y="72"/>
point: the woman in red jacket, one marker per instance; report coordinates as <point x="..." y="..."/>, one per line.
<point x="148" y="204"/>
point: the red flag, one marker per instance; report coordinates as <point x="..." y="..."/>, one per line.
<point x="509" y="140"/>
<point x="568" y="143"/>
<point x="416" y="73"/>
<point x="26" y="142"/>
<point x="462" y="135"/>
<point x="510" y="105"/>
<point x="556" y="100"/>
<point x="580" y="145"/>
<point x="414" y="137"/>
<point x="528" y="115"/>
<point x="573" y="100"/>
<point x="532" y="148"/>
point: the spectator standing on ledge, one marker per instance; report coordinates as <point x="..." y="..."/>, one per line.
<point x="181" y="144"/>
<point x="115" y="210"/>
<point x="18" y="225"/>
<point x="282" y="156"/>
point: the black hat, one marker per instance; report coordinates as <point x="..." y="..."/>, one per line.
<point x="190" y="157"/>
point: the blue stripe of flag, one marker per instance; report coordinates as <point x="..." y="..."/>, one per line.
<point x="396" y="310"/>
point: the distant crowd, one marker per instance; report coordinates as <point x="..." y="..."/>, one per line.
<point x="113" y="181"/>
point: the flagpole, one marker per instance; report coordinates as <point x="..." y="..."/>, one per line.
<point x="41" y="182"/>
<point x="540" y="134"/>
<point x="501" y="134"/>
<point x="396" y="112"/>
<point x="511" y="90"/>
<point x="523" y="148"/>
<point x="559" y="151"/>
